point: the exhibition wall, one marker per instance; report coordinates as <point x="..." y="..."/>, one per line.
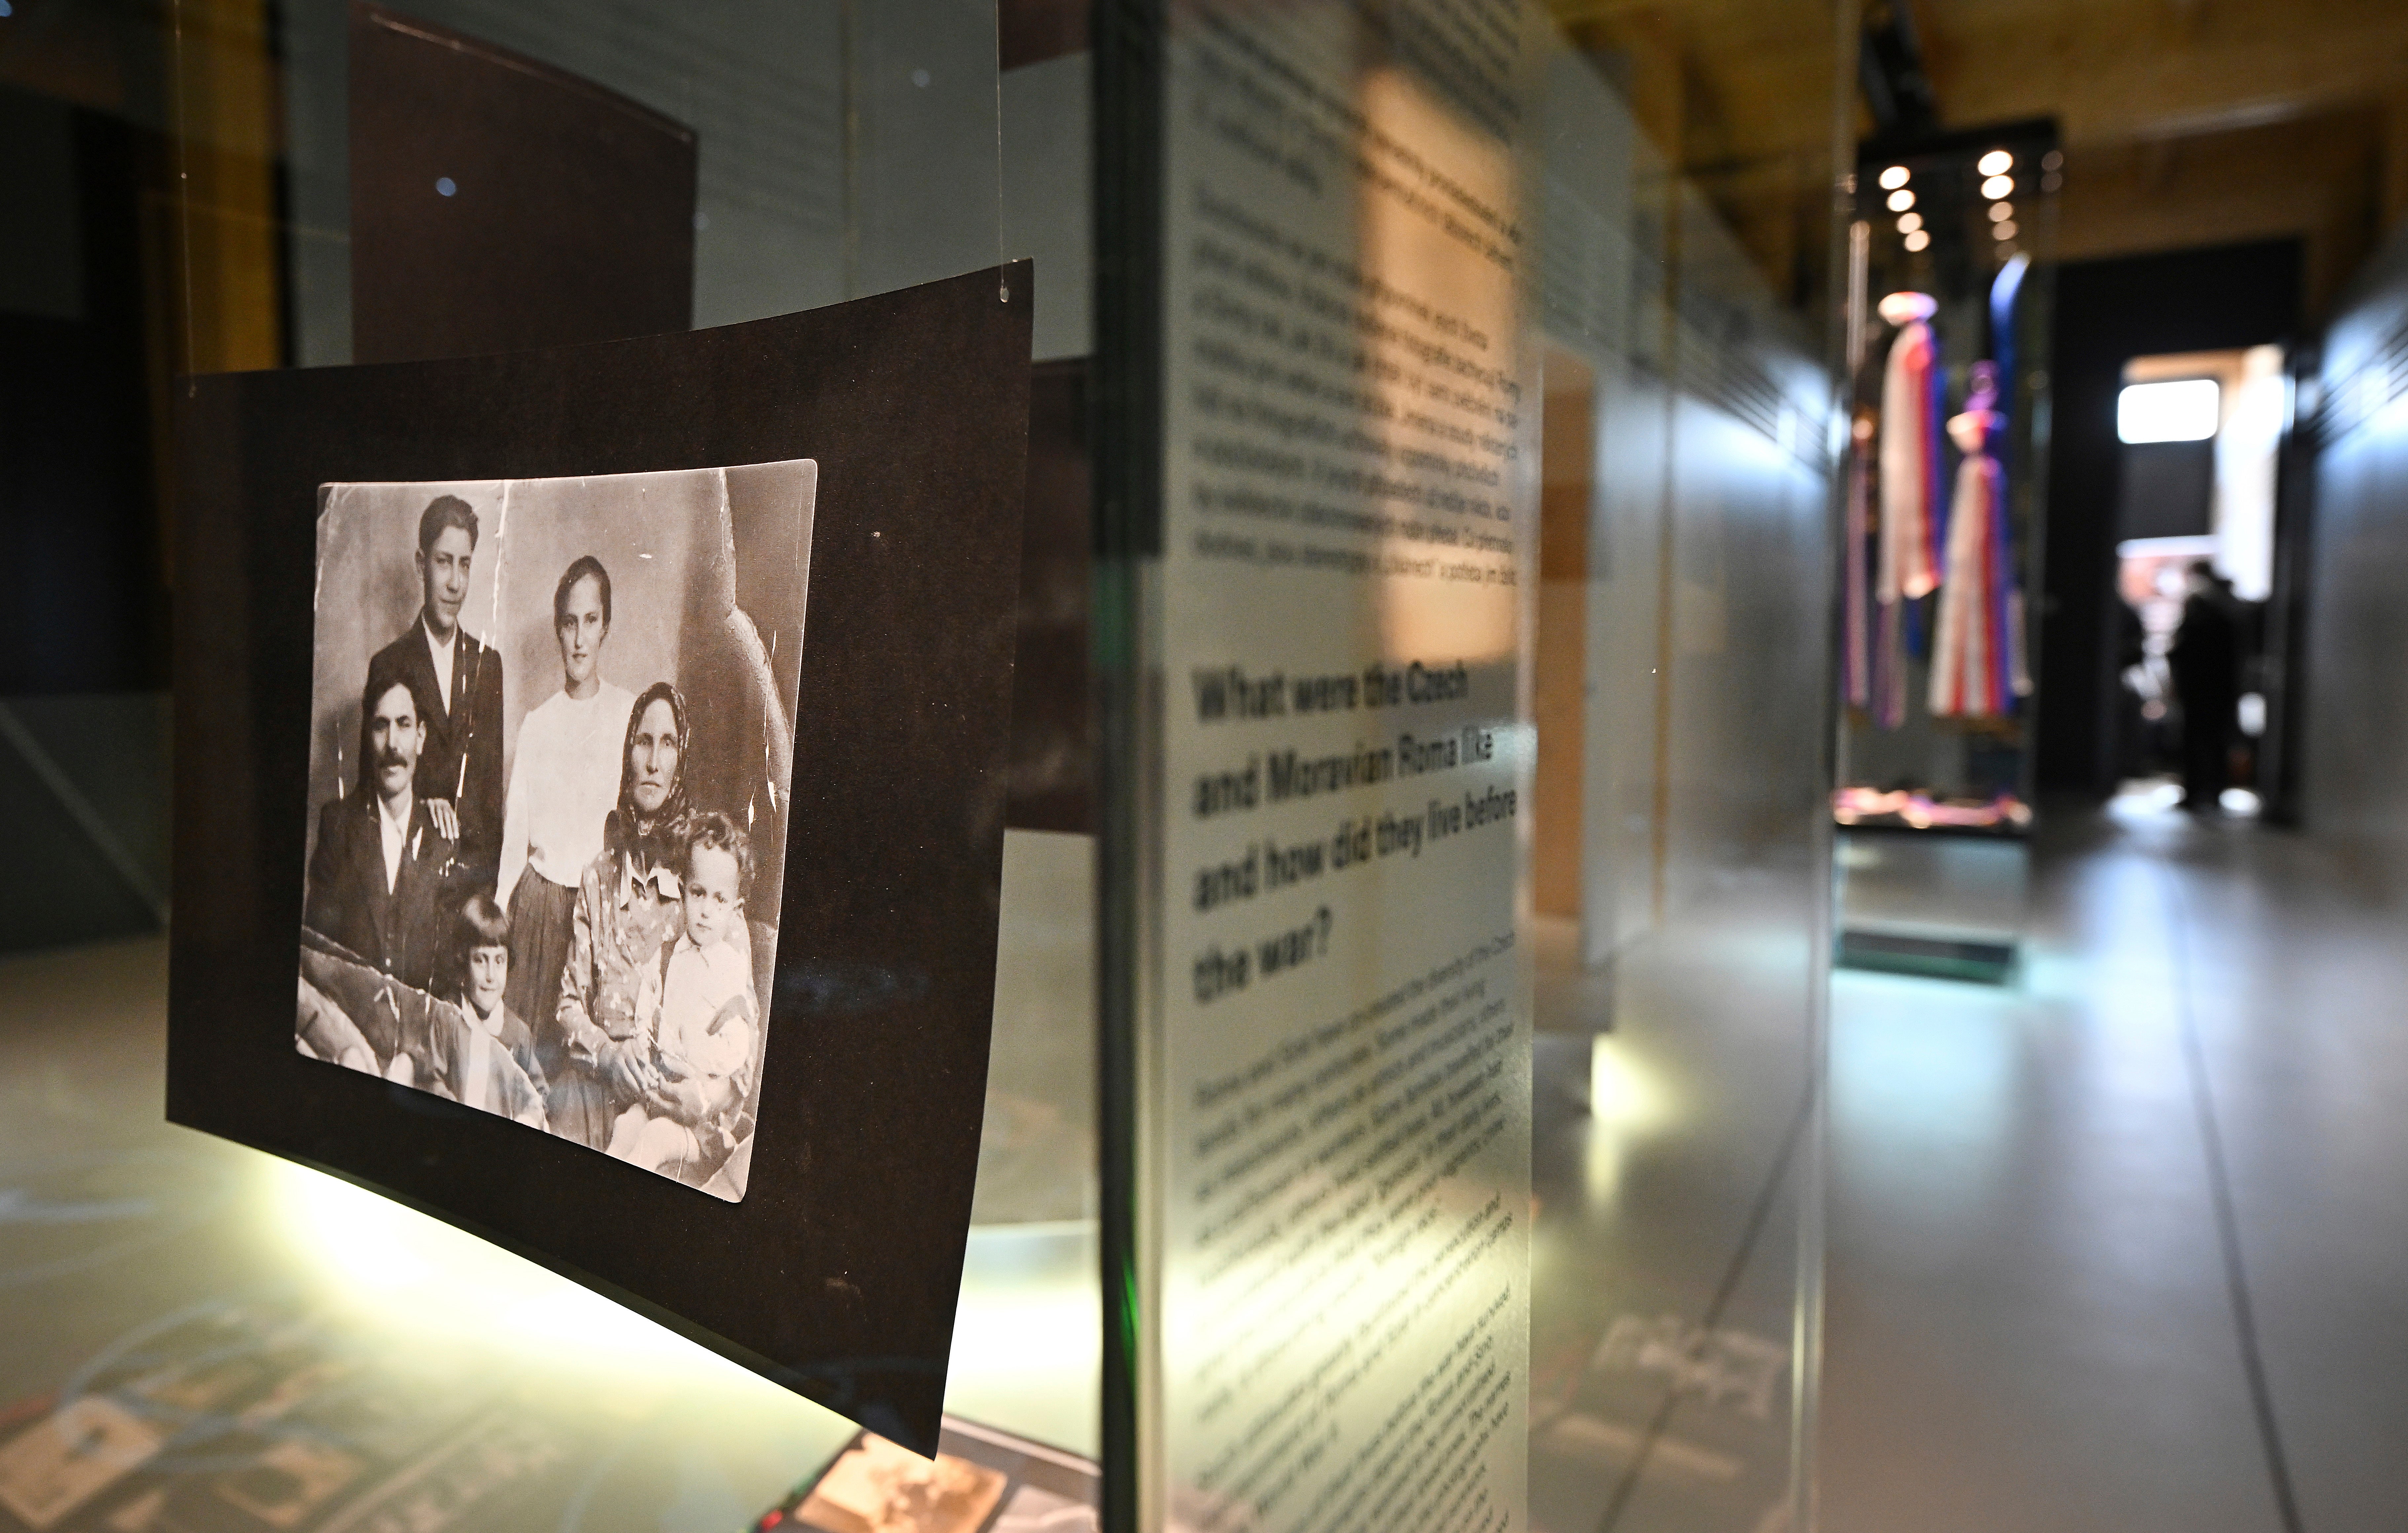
<point x="1677" y="686"/>
<point x="2356" y="716"/>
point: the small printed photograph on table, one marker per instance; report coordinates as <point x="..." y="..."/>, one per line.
<point x="981" y="1481"/>
<point x="550" y="751"/>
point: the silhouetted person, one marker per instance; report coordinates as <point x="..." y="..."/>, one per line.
<point x="2206" y="660"/>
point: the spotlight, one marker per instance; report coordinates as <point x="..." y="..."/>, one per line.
<point x="1894" y="177"/>
<point x="1997" y="163"/>
<point x="1917" y="240"/>
<point x="2004" y="229"/>
<point x="1900" y="201"/>
<point x="1997" y="187"/>
<point x="2001" y="212"/>
<point x="1909" y="222"/>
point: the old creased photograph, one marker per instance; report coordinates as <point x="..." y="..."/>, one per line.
<point x="550" y="754"/>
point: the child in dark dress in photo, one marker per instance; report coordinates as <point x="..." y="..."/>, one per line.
<point x="495" y="1037"/>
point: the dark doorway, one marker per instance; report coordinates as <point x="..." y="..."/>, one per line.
<point x="2107" y="312"/>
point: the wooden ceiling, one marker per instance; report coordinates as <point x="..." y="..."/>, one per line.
<point x="2186" y="123"/>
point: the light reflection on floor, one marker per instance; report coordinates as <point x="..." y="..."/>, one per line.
<point x="259" y="1345"/>
<point x="1664" y="1254"/>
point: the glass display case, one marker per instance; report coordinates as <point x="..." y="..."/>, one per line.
<point x="1948" y="320"/>
<point x="1413" y="911"/>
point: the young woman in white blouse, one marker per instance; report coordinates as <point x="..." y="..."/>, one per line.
<point x="564" y="783"/>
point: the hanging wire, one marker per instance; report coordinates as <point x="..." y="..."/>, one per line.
<point x="1002" y="279"/>
<point x="183" y="201"/>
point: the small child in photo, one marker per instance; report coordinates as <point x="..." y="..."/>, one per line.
<point x="697" y="1000"/>
<point x="491" y="1062"/>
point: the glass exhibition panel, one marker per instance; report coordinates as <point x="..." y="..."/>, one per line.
<point x="1680" y="949"/>
<point x="1436" y="320"/>
<point x="1333" y="1003"/>
<point x="1356" y="1066"/>
<point x="1948" y="319"/>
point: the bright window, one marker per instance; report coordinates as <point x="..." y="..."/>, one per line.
<point x="2182" y="410"/>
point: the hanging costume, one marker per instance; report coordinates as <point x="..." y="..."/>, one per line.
<point x="1977" y="664"/>
<point x="1856" y="621"/>
<point x="1908" y="541"/>
<point x="1909" y="453"/>
<point x="1967" y="681"/>
<point x="1978" y="667"/>
<point x="2015" y="667"/>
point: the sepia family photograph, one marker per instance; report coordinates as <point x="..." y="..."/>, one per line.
<point x="550" y="752"/>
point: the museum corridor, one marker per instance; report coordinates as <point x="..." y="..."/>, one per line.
<point x="2117" y="1245"/>
<point x="1560" y="767"/>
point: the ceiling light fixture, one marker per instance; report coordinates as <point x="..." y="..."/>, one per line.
<point x="1900" y="201"/>
<point x="1917" y="240"/>
<point x="2003" y="231"/>
<point x="1997" y="163"/>
<point x="1997" y="187"/>
<point x="1894" y="177"/>
<point x="1909" y="222"/>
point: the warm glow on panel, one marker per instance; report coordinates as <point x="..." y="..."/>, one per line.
<point x="1473" y="615"/>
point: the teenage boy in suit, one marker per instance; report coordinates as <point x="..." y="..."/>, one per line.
<point x="459" y="681"/>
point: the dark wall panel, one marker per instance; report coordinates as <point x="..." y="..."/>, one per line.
<point x="78" y="512"/>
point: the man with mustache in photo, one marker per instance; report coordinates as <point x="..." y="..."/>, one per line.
<point x="460" y="678"/>
<point x="383" y="875"/>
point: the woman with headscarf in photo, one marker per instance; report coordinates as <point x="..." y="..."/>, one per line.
<point x="628" y="904"/>
<point x="565" y="779"/>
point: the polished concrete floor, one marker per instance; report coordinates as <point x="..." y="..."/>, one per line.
<point x="2124" y="1243"/>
